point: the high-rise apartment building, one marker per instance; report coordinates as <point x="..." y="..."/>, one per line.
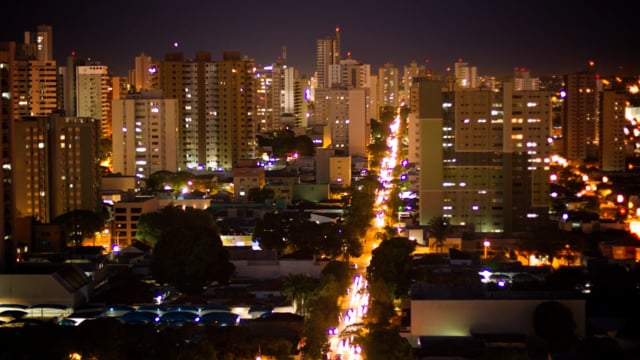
<point x="7" y="191"/>
<point x="67" y="85"/>
<point x="39" y="43"/>
<point x="34" y="85"/>
<point x="94" y="94"/>
<point x="146" y="140"/>
<point x="142" y="73"/>
<point x="234" y="127"/>
<point x="388" y="85"/>
<point x="466" y="76"/>
<point x="528" y="118"/>
<point x="28" y="87"/>
<point x="482" y="155"/>
<point x="410" y="72"/>
<point x="522" y="80"/>
<point x="580" y="116"/>
<point x="193" y="84"/>
<point x="327" y="54"/>
<point x="350" y="73"/>
<point x="56" y="167"/>
<point x="343" y="114"/>
<point x="613" y="148"/>
<point x="270" y="96"/>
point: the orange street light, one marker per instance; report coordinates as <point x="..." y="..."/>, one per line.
<point x="486" y="244"/>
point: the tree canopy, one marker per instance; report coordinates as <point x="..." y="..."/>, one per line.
<point x="439" y="228"/>
<point x="81" y="224"/>
<point x="152" y="225"/>
<point x="190" y="257"/>
<point x="391" y="262"/>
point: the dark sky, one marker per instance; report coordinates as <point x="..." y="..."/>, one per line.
<point x="548" y="37"/>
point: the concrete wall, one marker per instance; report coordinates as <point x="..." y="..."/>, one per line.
<point x="37" y="289"/>
<point x="460" y="317"/>
<point x="272" y="269"/>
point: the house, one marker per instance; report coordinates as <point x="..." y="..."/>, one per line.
<point x="37" y="283"/>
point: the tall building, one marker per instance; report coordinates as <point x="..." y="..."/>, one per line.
<point x="147" y="136"/>
<point x="466" y="76"/>
<point x="296" y="94"/>
<point x="302" y="105"/>
<point x="94" y="93"/>
<point x="67" y="85"/>
<point x="7" y="191"/>
<point x="410" y="72"/>
<point x="580" y="126"/>
<point x="388" y="85"/>
<point x="426" y="123"/>
<point x="56" y="168"/>
<point x="34" y="85"/>
<point x="528" y="118"/>
<point x="140" y="78"/>
<point x="349" y="73"/>
<point x="234" y="126"/>
<point x="613" y="150"/>
<point x="193" y="84"/>
<point x="327" y="54"/>
<point x="28" y="87"/>
<point x="522" y="80"/>
<point x="270" y="84"/>
<point x="483" y="155"/>
<point x="343" y="116"/>
<point x="39" y="43"/>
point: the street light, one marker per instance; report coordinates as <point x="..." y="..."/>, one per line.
<point x="486" y="244"/>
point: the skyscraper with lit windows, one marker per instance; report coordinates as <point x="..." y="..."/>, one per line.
<point x="7" y="191"/>
<point x="147" y="136"/>
<point x="388" y="85"/>
<point x="94" y="94"/>
<point x="191" y="82"/>
<point x="580" y="116"/>
<point x="56" y="168"/>
<point x="234" y="126"/>
<point x="327" y="54"/>
<point x="483" y="155"/>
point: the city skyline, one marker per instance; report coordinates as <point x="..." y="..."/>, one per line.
<point x="547" y="37"/>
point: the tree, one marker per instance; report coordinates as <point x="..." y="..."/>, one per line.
<point x="439" y="228"/>
<point x="190" y="257"/>
<point x="270" y="232"/>
<point x="386" y="344"/>
<point x="81" y="224"/>
<point x="300" y="289"/>
<point x="261" y="195"/>
<point x="152" y="225"/>
<point x="304" y="145"/>
<point x="391" y="262"/>
<point x="553" y="322"/>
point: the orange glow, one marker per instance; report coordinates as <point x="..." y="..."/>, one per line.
<point x="634" y="227"/>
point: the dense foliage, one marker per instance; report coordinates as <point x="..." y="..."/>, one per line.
<point x="191" y="257"/>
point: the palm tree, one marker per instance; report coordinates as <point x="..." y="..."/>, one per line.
<point x="439" y="228"/>
<point x="300" y="289"/>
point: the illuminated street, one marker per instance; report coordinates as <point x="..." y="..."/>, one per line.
<point x="355" y="305"/>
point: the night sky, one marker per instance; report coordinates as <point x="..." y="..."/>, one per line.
<point x="547" y="37"/>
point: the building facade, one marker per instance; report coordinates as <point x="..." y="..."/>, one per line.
<point x="146" y="140"/>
